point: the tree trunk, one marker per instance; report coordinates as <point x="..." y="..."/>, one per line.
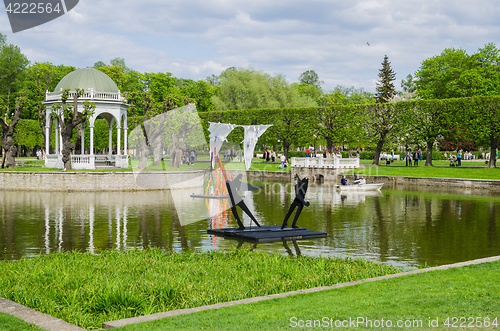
<point x="329" y="144"/>
<point x="493" y="151"/>
<point x="8" y="136"/>
<point x="68" y="146"/>
<point x="10" y="150"/>
<point x="286" y="146"/>
<point x="428" y="158"/>
<point x="378" y="150"/>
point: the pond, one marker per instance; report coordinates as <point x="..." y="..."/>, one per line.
<point x="402" y="226"/>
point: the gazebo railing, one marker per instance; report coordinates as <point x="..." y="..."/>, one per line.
<point x="87" y="95"/>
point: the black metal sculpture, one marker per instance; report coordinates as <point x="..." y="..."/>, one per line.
<point x="233" y="186"/>
<point x="300" y="195"/>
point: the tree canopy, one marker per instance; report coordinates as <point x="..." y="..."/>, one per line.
<point x="241" y="88"/>
<point x="456" y="74"/>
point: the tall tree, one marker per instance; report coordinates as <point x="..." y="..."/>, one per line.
<point x="8" y="130"/>
<point x="70" y="117"/>
<point x="309" y="84"/>
<point x="379" y="121"/>
<point x="385" y="87"/>
<point x="12" y="70"/>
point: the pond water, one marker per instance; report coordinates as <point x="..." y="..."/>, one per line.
<point x="403" y="226"/>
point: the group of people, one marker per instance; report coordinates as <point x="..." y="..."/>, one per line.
<point x="415" y="157"/>
<point x="229" y="154"/>
<point x="189" y="157"/>
<point x="269" y="156"/>
<point x="455" y="160"/>
<point x="359" y="181"/>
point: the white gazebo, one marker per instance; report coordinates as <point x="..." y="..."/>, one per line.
<point x="109" y="104"/>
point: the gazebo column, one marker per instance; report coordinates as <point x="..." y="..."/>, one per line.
<point x="125" y="140"/>
<point x="91" y="140"/>
<point x="60" y="141"/>
<point x="118" y="143"/>
<point x="110" y="134"/>
<point x="47" y="139"/>
<point x="56" y="137"/>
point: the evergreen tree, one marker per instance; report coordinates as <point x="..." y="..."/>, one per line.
<point x="385" y="88"/>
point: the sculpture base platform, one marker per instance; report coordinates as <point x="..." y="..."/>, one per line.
<point x="267" y="233"/>
<point x="204" y="196"/>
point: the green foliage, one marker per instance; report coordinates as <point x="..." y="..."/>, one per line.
<point x="201" y="92"/>
<point x="126" y="79"/>
<point x="455" y="74"/>
<point x="40" y="78"/>
<point x="309" y="84"/>
<point x="253" y="89"/>
<point x="409" y="84"/>
<point x="28" y="133"/>
<point x="385" y="88"/>
<point x="12" y="73"/>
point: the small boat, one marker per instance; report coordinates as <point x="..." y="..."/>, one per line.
<point x="360" y="187"/>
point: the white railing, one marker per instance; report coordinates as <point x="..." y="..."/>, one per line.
<point x="80" y="159"/>
<point x="102" y="158"/>
<point x="87" y="95"/>
<point x="319" y="162"/>
<point x="82" y="162"/>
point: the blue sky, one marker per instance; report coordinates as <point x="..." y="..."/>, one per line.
<point x="195" y="39"/>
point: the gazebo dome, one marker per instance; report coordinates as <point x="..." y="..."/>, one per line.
<point x="87" y="78"/>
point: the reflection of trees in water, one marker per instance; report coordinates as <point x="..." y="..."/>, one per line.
<point x="383" y="235"/>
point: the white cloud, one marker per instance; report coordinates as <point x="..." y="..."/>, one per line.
<point x="194" y="39"/>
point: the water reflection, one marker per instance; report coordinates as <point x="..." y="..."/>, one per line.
<point x="401" y="226"/>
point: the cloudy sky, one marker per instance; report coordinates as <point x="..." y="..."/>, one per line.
<point x="195" y="39"/>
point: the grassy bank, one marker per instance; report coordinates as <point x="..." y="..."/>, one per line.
<point x="421" y="171"/>
<point x="470" y="294"/>
<point x="88" y="290"/>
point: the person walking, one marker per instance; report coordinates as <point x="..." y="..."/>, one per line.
<point x="282" y="159"/>
<point x="459" y="158"/>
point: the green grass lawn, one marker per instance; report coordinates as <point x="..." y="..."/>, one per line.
<point x="257" y="164"/>
<point x="422" y="171"/>
<point x="87" y="290"/>
<point x="470" y="294"/>
<point x="11" y="323"/>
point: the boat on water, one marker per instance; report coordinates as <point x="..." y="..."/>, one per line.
<point x="360" y="187"/>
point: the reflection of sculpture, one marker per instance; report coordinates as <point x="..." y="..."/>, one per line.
<point x="300" y="194"/>
<point x="233" y="186"/>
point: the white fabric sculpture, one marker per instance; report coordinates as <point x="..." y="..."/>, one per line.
<point x="218" y="134"/>
<point x="252" y="134"/>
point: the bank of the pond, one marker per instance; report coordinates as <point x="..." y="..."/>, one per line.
<point x="97" y="181"/>
<point x="131" y="181"/>
<point x="115" y="285"/>
<point x="434" y="182"/>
